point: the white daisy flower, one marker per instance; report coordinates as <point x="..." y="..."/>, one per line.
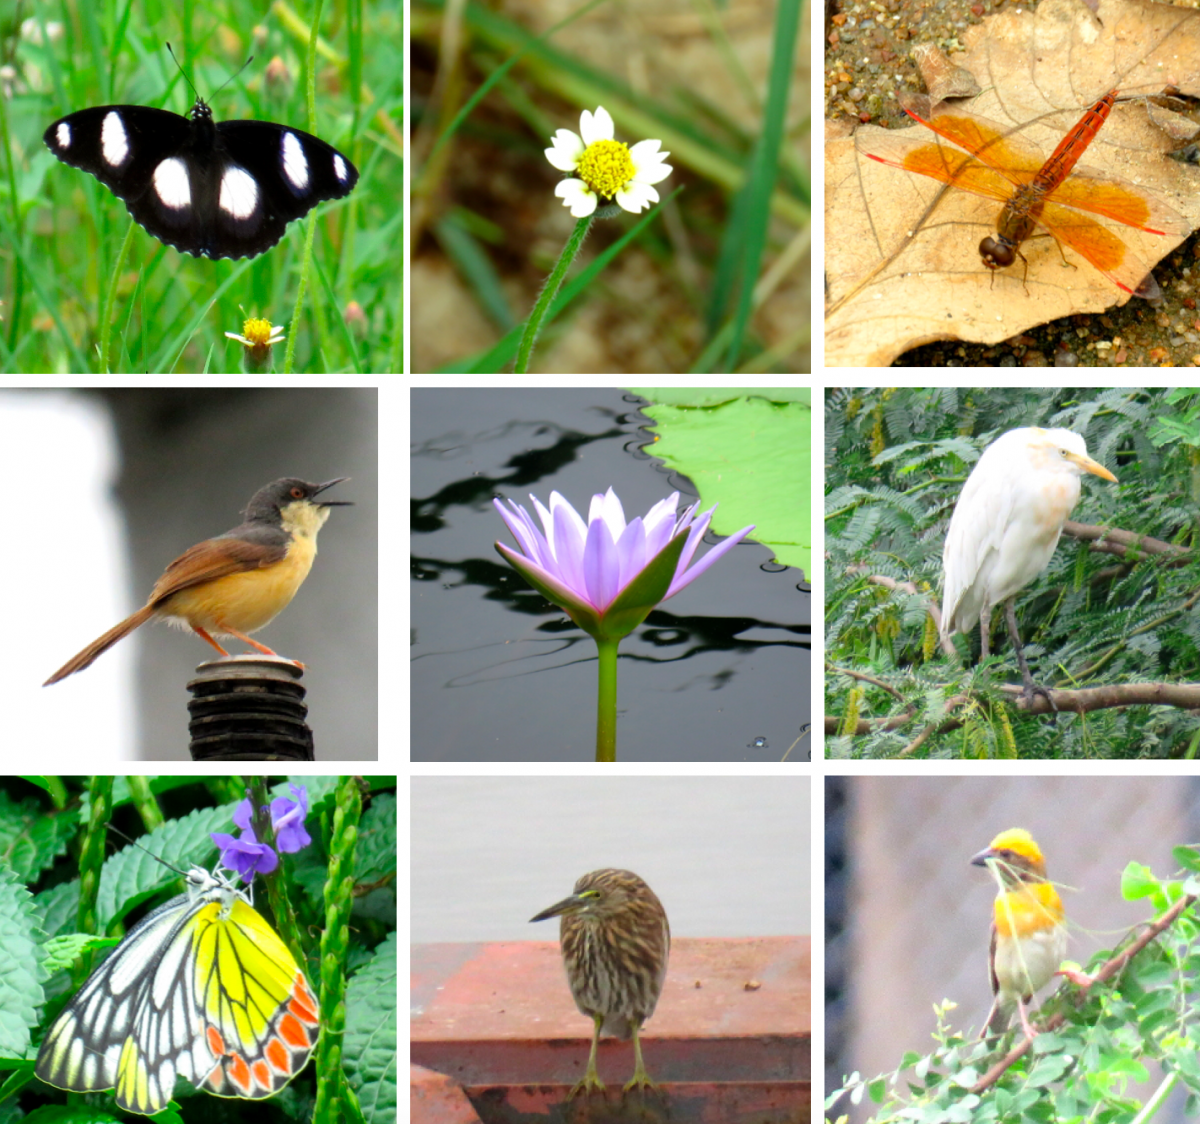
<point x="606" y="169"/>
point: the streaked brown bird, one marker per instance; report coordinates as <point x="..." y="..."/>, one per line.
<point x="615" y="943"/>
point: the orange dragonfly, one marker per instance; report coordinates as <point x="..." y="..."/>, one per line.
<point x="1003" y="165"/>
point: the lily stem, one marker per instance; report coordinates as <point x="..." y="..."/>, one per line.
<point x="606" y="701"/>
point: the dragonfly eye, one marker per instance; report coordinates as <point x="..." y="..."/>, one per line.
<point x="996" y="255"/>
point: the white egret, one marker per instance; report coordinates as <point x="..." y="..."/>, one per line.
<point x="1006" y="525"/>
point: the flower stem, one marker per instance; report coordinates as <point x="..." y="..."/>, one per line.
<point x="606" y="702"/>
<point x="553" y="284"/>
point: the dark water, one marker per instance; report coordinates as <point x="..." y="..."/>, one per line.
<point x="719" y="672"/>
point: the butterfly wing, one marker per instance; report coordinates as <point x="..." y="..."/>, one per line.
<point x="294" y="169"/>
<point x="261" y="176"/>
<point x="131" y="1027"/>
<point x="121" y="145"/>
<point x="260" y="1020"/>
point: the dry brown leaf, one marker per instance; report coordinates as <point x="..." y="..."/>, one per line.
<point x="902" y="257"/>
<point x="941" y="77"/>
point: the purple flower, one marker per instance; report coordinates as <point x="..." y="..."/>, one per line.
<point x="287" y="818"/>
<point x="608" y="574"/>
<point x="247" y="855"/>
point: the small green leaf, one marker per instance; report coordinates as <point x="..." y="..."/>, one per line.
<point x="1137" y="881"/>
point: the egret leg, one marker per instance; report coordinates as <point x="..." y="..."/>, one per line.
<point x="591" y="1082"/>
<point x="1031" y="688"/>
<point x="641" y="1079"/>
<point x="985" y="628"/>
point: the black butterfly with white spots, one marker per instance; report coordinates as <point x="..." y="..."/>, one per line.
<point x="211" y="189"/>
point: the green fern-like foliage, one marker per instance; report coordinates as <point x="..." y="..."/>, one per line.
<point x="896" y="460"/>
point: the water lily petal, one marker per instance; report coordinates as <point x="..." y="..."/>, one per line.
<point x="608" y="508"/>
<point x="547" y="585"/>
<point x="601" y="568"/>
<point x="570" y="535"/>
<point x="631" y="550"/>
<point x="663" y="511"/>
<point x="533" y="543"/>
<point x="642" y="594"/>
<point x="547" y="559"/>
<point x="545" y="516"/>
<point x="696" y="532"/>
<point x="557" y="500"/>
<point x="718" y="551"/>
<point x="660" y="524"/>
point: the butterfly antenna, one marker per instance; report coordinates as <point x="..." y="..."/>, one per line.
<point x="194" y="91"/>
<point x="219" y="88"/>
<point x="135" y="843"/>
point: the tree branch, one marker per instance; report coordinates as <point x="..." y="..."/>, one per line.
<point x="1110" y="969"/>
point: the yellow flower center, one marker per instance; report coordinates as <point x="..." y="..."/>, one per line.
<point x="606" y="167"/>
<point x="257" y="331"/>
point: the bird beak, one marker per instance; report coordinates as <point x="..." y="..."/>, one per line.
<point x="1094" y="467"/>
<point x="333" y="503"/>
<point x="564" y="906"/>
<point x="983" y="858"/>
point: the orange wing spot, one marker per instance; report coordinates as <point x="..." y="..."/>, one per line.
<point x="216" y="1043"/>
<point x="278" y="1055"/>
<point x="1105" y="199"/>
<point x="292" y="1031"/>
<point x="303" y="1003"/>
<point x="262" y="1074"/>
<point x="239" y="1072"/>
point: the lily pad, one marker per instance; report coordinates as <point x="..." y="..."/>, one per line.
<point x="748" y="454"/>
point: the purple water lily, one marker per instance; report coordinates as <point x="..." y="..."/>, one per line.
<point x="606" y="572"/>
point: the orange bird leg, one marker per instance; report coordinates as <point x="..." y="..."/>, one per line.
<point x="254" y="644"/>
<point x="245" y="640"/>
<point x="205" y="636"/>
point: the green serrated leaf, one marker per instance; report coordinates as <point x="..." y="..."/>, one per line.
<point x="370" y="1051"/>
<point x="21" y="973"/>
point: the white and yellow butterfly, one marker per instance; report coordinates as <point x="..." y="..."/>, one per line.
<point x="201" y="987"/>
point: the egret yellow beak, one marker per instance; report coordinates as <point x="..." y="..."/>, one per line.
<point x="1089" y="465"/>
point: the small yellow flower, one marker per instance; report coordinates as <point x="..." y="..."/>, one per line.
<point x="606" y="169"/>
<point x="257" y="336"/>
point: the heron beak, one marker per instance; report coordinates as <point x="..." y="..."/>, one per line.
<point x="1094" y="467"/>
<point x="567" y="905"/>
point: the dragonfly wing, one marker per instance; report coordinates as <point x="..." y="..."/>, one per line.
<point x="1103" y="194"/>
<point x="938" y="161"/>
<point x="1009" y="153"/>
<point x="1097" y="244"/>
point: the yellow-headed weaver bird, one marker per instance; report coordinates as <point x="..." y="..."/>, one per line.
<point x="1029" y="938"/>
